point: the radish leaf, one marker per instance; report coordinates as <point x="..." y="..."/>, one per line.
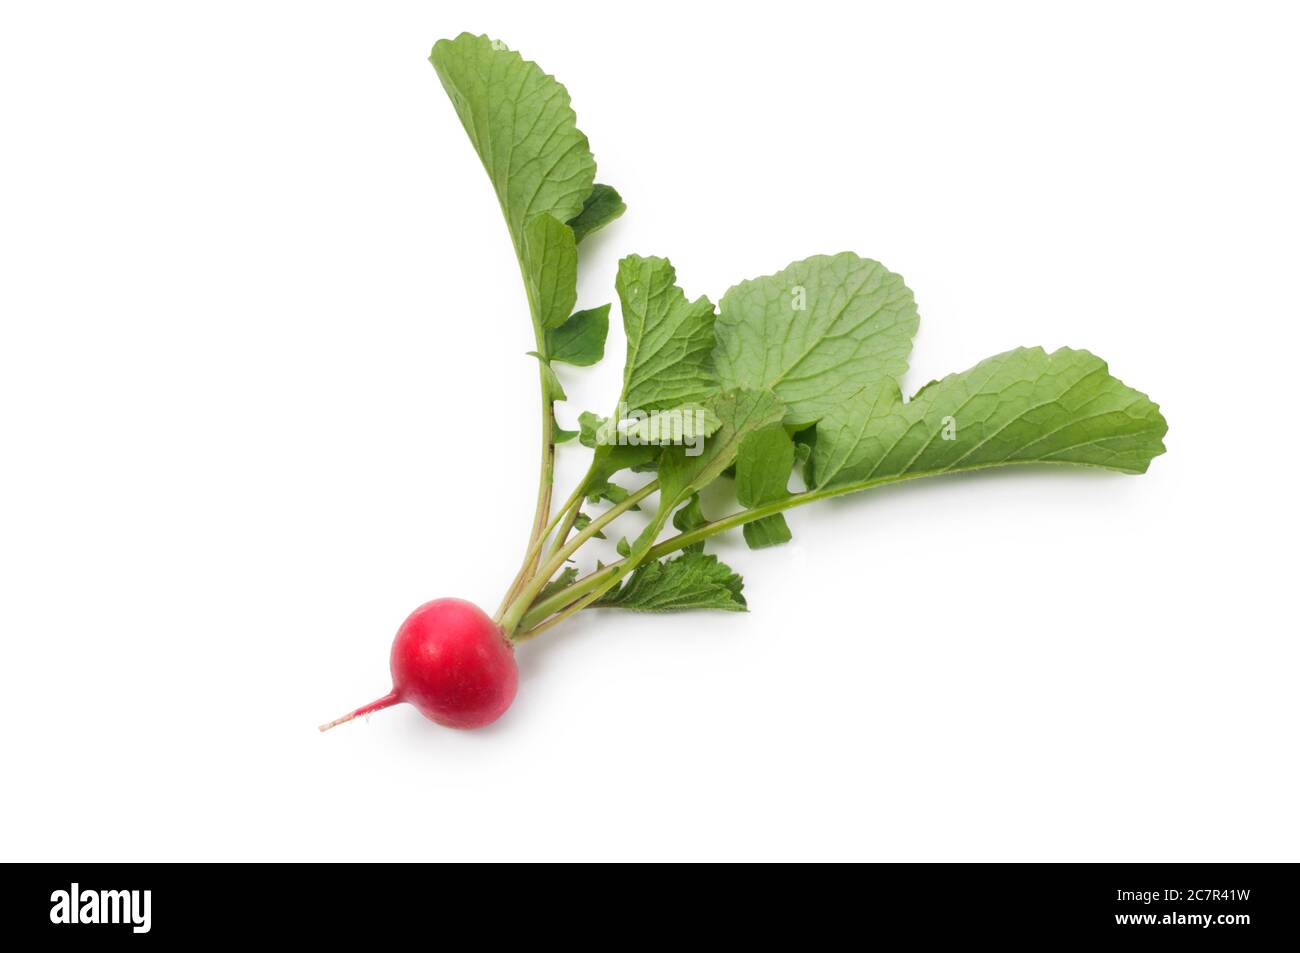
<point x="691" y="581"/>
<point x="582" y="521"/>
<point x="816" y="332"/>
<point x="741" y="413"/>
<point x="669" y="339"/>
<point x="550" y="270"/>
<point x="552" y="381"/>
<point x="567" y="577"/>
<point x="1024" y="406"/>
<point x="581" y="339"/>
<point x="800" y="368"/>
<point x="690" y="517"/>
<point x="603" y="205"/>
<point x="763" y="468"/>
<point x="523" y="128"/>
<point x="669" y="359"/>
<point x="559" y="434"/>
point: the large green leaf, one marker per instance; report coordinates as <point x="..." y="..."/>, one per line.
<point x="669" y="339"/>
<point x="669" y="358"/>
<point x="520" y="122"/>
<point x="816" y="333"/>
<point x="1024" y="406"/>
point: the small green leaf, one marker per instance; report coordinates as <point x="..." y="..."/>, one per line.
<point x="623" y="547"/>
<point x="589" y="425"/>
<point x="804" y="441"/>
<point x="567" y="577"/>
<point x="612" y="492"/>
<point x="611" y="458"/>
<point x="691" y="581"/>
<point x="581" y="339"/>
<point x="552" y="381"/>
<point x="741" y="413"/>
<point x="582" y="521"/>
<point x="559" y="434"/>
<point x="603" y="205"/>
<point x="550" y="270"/>
<point x="816" y="333"/>
<point x="690" y="517"/>
<point x="769" y="531"/>
<point x="763" y="468"/>
<point x="1024" y="406"/>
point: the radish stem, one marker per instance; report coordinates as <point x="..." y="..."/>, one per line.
<point x="510" y="618"/>
<point x="570" y="508"/>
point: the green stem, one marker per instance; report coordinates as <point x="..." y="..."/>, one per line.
<point x="578" y="596"/>
<point x="604" y="582"/>
<point x="546" y="474"/>
<point x="545" y="483"/>
<point x="565" y="599"/>
<point x="570" y="508"/>
<point x="546" y="479"/>
<point x="560" y="616"/>
<point x="571" y="516"/>
<point x="510" y="618"/>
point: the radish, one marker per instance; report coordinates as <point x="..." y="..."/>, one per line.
<point x="794" y="372"/>
<point x="450" y="661"/>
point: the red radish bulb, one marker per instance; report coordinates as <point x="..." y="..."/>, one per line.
<point x="451" y="661"/>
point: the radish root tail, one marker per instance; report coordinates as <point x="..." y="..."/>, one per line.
<point x="376" y="705"/>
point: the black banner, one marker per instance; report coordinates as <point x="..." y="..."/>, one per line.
<point x="131" y="904"/>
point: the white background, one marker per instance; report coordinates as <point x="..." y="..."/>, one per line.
<point x="264" y="391"/>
